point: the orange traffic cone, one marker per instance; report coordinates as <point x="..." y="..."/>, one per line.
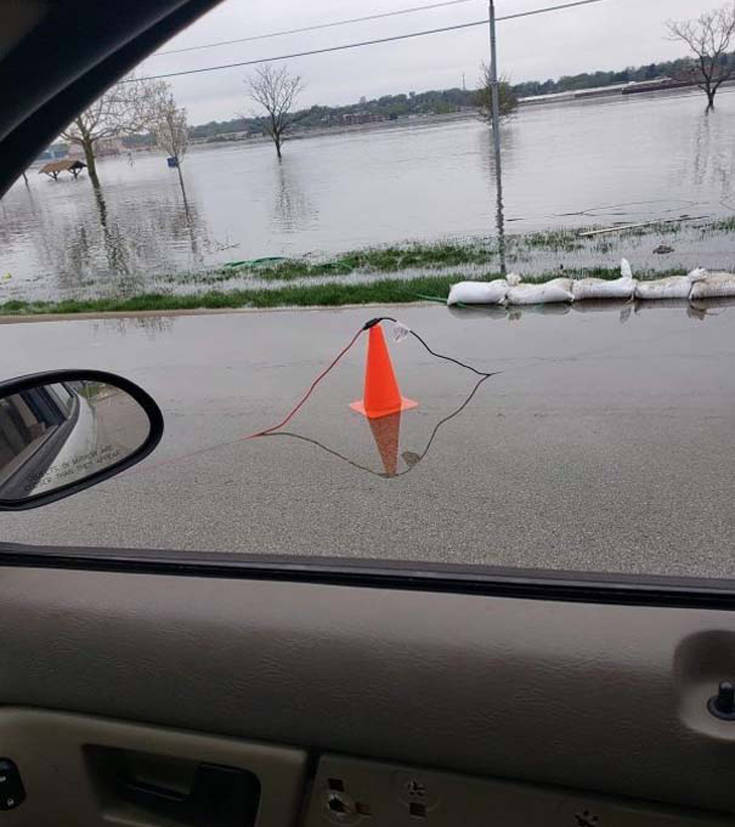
<point x="386" y="432"/>
<point x="382" y="394"/>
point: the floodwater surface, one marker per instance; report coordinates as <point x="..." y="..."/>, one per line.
<point x="630" y="158"/>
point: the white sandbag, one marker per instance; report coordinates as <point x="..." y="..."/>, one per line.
<point x="556" y="290"/>
<point x="622" y="288"/>
<point x="698" y="274"/>
<point x="478" y="292"/>
<point x="714" y="286"/>
<point x="673" y="287"/>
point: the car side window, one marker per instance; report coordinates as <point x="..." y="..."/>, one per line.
<point x="26" y="420"/>
<point x="62" y="396"/>
<point x="19" y="426"/>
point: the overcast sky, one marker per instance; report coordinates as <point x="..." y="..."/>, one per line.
<point x="611" y="34"/>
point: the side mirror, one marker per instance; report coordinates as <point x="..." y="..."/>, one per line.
<point x="64" y="431"/>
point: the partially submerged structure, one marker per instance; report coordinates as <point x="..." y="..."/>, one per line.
<point x="53" y="168"/>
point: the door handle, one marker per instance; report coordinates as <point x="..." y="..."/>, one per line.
<point x="153" y="794"/>
<point x="219" y="797"/>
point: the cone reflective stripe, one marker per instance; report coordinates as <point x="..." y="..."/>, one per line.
<point x="382" y="394"/>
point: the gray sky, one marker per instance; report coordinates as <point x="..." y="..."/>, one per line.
<point x="609" y="35"/>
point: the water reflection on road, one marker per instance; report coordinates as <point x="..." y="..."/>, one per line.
<point x="386" y="432"/>
<point x="596" y="447"/>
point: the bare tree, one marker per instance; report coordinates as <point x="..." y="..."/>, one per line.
<point x="709" y="38"/>
<point x="172" y="134"/>
<point x="127" y="108"/>
<point x="508" y="100"/>
<point x="276" y="91"/>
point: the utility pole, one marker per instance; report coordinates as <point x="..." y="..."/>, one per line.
<point x="495" y="106"/>
<point x="464" y="85"/>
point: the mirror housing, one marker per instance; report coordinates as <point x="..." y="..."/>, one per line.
<point x="85" y="390"/>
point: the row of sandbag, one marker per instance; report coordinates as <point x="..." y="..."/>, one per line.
<point x="699" y="284"/>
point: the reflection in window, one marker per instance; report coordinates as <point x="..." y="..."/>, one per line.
<point x="21" y="424"/>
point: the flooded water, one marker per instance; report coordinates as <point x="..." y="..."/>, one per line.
<point x="636" y="158"/>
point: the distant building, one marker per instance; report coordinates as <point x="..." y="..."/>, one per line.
<point x="656" y="84"/>
<point x="361" y="116"/>
<point x="109" y="146"/>
<point x="54" y="153"/>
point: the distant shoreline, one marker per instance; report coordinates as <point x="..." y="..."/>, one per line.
<point x="318" y="132"/>
<point x="556" y="99"/>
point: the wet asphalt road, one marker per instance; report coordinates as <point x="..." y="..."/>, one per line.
<point x="607" y="443"/>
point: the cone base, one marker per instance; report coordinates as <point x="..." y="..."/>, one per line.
<point x="404" y="405"/>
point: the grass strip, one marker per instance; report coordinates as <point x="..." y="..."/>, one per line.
<point x="385" y="291"/>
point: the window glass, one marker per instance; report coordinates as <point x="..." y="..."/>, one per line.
<point x="24" y="425"/>
<point x="551" y="382"/>
<point x="62" y="396"/>
<point x="18" y="427"/>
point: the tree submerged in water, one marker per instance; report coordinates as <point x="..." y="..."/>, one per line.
<point x="508" y="100"/>
<point x="709" y="38"/>
<point x="127" y="108"/>
<point x="276" y="91"/>
<point x="172" y="134"/>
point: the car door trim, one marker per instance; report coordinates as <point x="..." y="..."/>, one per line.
<point x="495" y="581"/>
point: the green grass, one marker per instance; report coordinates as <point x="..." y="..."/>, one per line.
<point x="372" y="259"/>
<point x="385" y="260"/>
<point x="381" y="261"/>
<point x="723" y="225"/>
<point x="553" y="240"/>
<point x="523" y="248"/>
<point x="385" y="291"/>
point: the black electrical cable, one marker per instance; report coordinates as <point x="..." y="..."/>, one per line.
<point x="419" y="457"/>
<point x="311" y="388"/>
<point x="452" y="359"/>
<point x="360" y="44"/>
<point x="331" y="25"/>
<point x="370" y="323"/>
<point x="375" y="321"/>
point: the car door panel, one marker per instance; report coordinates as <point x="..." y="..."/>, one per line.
<point x="97" y="771"/>
<point x="608" y="699"/>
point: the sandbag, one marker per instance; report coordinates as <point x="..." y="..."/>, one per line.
<point x="714" y="286"/>
<point x="556" y="290"/>
<point x="622" y="288"/>
<point x="673" y="287"/>
<point x="478" y="292"/>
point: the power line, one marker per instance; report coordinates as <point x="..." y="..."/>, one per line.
<point x="313" y="28"/>
<point x="361" y="43"/>
<point x="317" y="51"/>
<point x="545" y="9"/>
